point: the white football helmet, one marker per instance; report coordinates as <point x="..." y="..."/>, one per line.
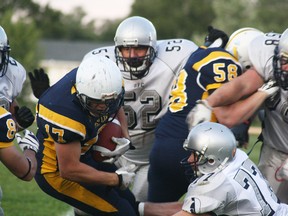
<point x="4" y="52"/>
<point x="238" y="45"/>
<point x="213" y="145"/>
<point x="100" y="86"/>
<point x="280" y="59"/>
<point x="134" y="32"/>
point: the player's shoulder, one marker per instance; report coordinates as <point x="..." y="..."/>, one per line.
<point x="261" y="52"/>
<point x="108" y="51"/>
<point x="4" y="112"/>
<point x="266" y="41"/>
<point x="175" y="45"/>
<point x="174" y="52"/>
<point x="203" y="56"/>
<point x="7" y="127"/>
<point x="15" y="67"/>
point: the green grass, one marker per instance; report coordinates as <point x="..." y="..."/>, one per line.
<point x="22" y="198"/>
<point x="27" y="199"/>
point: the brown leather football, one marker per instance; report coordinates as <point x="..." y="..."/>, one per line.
<point x="111" y="129"/>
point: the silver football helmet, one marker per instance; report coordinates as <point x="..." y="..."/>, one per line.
<point x="238" y="45"/>
<point x="134" y="32"/>
<point x="4" y="52"/>
<point x="280" y="59"/>
<point x="213" y="146"/>
<point x="100" y="87"/>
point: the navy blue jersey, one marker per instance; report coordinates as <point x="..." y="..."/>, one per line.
<point x="205" y="71"/>
<point x="7" y="128"/>
<point x="62" y="119"/>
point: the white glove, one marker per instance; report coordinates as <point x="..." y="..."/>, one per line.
<point x="29" y="141"/>
<point x="270" y="88"/>
<point x="126" y="176"/>
<point x="200" y="113"/>
<point x="123" y="144"/>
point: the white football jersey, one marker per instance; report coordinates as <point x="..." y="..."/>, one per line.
<point x="11" y="83"/>
<point x="275" y="131"/>
<point x="146" y="99"/>
<point x="238" y="189"/>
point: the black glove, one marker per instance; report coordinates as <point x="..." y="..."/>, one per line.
<point x="213" y="35"/>
<point x="241" y="134"/>
<point x="39" y="82"/>
<point x="24" y="117"/>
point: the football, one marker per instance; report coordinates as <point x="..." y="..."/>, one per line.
<point x="111" y="129"/>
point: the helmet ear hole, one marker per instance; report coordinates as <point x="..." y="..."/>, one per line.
<point x="215" y="144"/>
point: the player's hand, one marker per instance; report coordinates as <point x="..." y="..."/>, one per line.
<point x="24" y="117"/>
<point x="216" y="38"/>
<point x="200" y="113"/>
<point x="39" y="82"/>
<point x="270" y="88"/>
<point x="29" y="141"/>
<point x="126" y="176"/>
<point x="122" y="146"/>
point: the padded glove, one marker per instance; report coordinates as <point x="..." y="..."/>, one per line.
<point x="200" y="113"/>
<point x="29" y="141"/>
<point x="270" y="88"/>
<point x="24" y="117"/>
<point x="122" y="146"/>
<point x="126" y="176"/>
<point x="39" y="82"/>
<point x="216" y="38"/>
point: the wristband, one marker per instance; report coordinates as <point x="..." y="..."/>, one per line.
<point x="141" y="208"/>
<point x="29" y="148"/>
<point x="120" y="180"/>
<point x="29" y="169"/>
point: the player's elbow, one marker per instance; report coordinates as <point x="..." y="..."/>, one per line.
<point x="66" y="173"/>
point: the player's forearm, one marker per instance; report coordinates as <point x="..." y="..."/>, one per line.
<point x="240" y="111"/>
<point x="161" y="209"/>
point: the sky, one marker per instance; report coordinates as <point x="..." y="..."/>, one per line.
<point x="95" y="9"/>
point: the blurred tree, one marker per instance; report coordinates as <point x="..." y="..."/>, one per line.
<point x="271" y="15"/>
<point x="53" y="24"/>
<point x="265" y="15"/>
<point x="182" y="19"/>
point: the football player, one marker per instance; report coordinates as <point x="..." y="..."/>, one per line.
<point x="23" y="165"/>
<point x="12" y="77"/>
<point x="149" y="67"/>
<point x="268" y="56"/>
<point x="69" y="117"/>
<point x="205" y="70"/>
<point x="229" y="183"/>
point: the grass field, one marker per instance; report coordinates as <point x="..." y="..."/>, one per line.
<point x="26" y="199"/>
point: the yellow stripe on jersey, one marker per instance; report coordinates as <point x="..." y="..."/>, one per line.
<point x="76" y="191"/>
<point x="6" y="144"/>
<point x="3" y="112"/>
<point x="61" y="121"/>
<point x="213" y="56"/>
